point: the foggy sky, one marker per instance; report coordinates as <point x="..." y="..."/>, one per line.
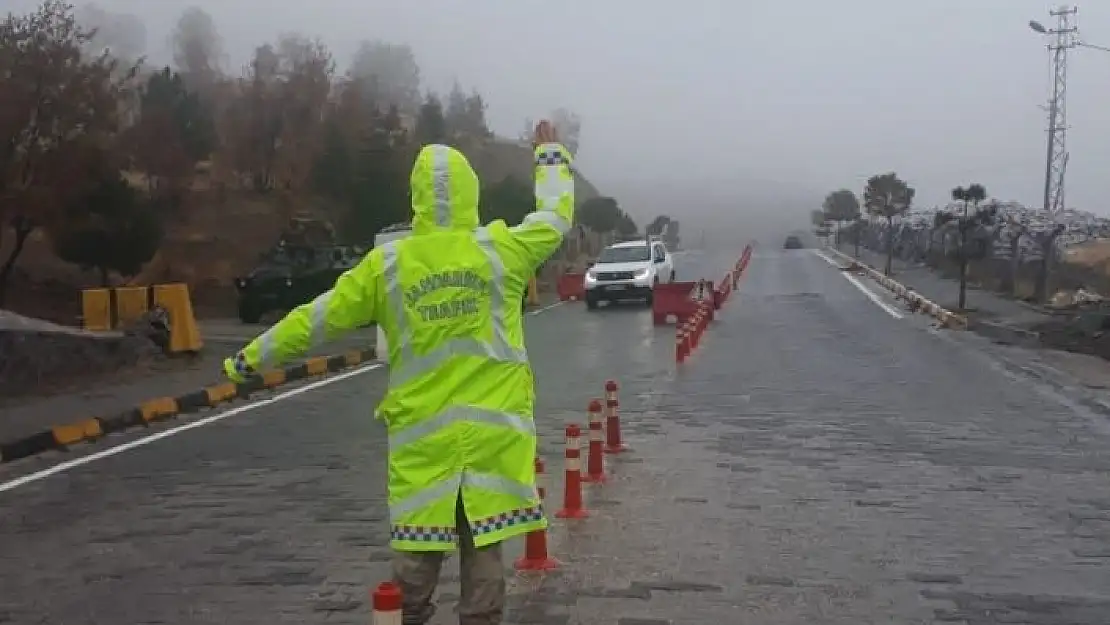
<point x="750" y="101"/>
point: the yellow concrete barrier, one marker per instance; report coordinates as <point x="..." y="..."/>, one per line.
<point x="157" y="409"/>
<point x="221" y="392"/>
<point x="184" y="333"/>
<point x="73" y="433"/>
<point x="132" y="302"/>
<point x="317" y="365"/>
<point x="352" y="357"/>
<point x="107" y="309"/>
<point x="96" y="310"/>
<point x="273" y="377"/>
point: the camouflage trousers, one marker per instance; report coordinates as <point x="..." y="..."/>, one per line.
<point x="482" y="601"/>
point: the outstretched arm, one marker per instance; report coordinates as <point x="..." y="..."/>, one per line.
<point x="541" y="232"/>
<point x="350" y="304"/>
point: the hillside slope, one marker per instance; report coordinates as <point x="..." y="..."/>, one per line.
<point x="222" y="236"/>
<point x="494" y="160"/>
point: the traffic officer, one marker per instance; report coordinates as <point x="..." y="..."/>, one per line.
<point x="458" y="410"/>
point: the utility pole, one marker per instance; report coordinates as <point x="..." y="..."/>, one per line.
<point x="1062" y="38"/>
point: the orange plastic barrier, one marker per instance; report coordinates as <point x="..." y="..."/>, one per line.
<point x="673" y="298"/>
<point x="571" y="286"/>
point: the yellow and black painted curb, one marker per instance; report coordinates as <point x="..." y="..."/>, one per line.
<point x="946" y="317"/>
<point x="61" y="437"/>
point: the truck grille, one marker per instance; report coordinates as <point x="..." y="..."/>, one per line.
<point x="614" y="275"/>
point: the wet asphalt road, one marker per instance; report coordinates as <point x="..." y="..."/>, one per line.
<point x="816" y="461"/>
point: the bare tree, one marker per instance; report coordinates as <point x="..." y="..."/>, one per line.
<point x="306" y="68"/>
<point x="122" y="35"/>
<point x="57" y="106"/>
<point x="197" y="47"/>
<point x="277" y="119"/>
<point x="389" y="74"/>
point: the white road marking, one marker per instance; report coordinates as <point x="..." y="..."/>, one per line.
<point x="871" y="295"/>
<point x="146" y="440"/>
<point x="185" y="427"/>
<point x="546" y="308"/>
<point x="893" y="312"/>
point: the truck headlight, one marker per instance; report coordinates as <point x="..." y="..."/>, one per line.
<point x="640" y="273"/>
<point x="591" y="276"/>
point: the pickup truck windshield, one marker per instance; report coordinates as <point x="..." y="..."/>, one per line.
<point x="624" y="254"/>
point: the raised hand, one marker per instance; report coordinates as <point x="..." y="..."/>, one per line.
<point x="544" y="133"/>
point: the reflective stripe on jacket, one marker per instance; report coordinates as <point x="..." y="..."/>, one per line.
<point x="460" y="400"/>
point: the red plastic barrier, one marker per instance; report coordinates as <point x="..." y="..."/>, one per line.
<point x="696" y="327"/>
<point x="683" y="340"/>
<point x="673" y="298"/>
<point x="720" y="294"/>
<point x="708" y="302"/>
<point x="571" y="286"/>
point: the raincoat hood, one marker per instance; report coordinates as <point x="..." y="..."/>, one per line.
<point x="444" y="191"/>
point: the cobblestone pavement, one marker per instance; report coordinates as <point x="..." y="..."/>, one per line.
<point x="815" y="461"/>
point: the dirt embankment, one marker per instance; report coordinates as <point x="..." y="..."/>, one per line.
<point x="37" y="356"/>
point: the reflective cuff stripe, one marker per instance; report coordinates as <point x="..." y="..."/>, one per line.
<point x="451" y="485"/>
<point x="554" y="180"/>
<point x="552" y="154"/>
<point x="553" y="187"/>
<point x="266" y="345"/>
<point x="457" y="414"/>
<point x="410" y="366"/>
<point x="550" y="218"/>
<point x="317" y="332"/>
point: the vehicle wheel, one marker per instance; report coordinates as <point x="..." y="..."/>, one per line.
<point x="672" y="275"/>
<point x="248" y="314"/>
<point x="649" y="300"/>
<point x="271" y="317"/>
<point x="591" y="303"/>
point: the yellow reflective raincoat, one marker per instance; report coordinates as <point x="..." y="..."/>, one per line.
<point x="460" y="399"/>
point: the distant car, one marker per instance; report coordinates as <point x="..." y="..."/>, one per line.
<point x="628" y="270"/>
<point x="792" y="243"/>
